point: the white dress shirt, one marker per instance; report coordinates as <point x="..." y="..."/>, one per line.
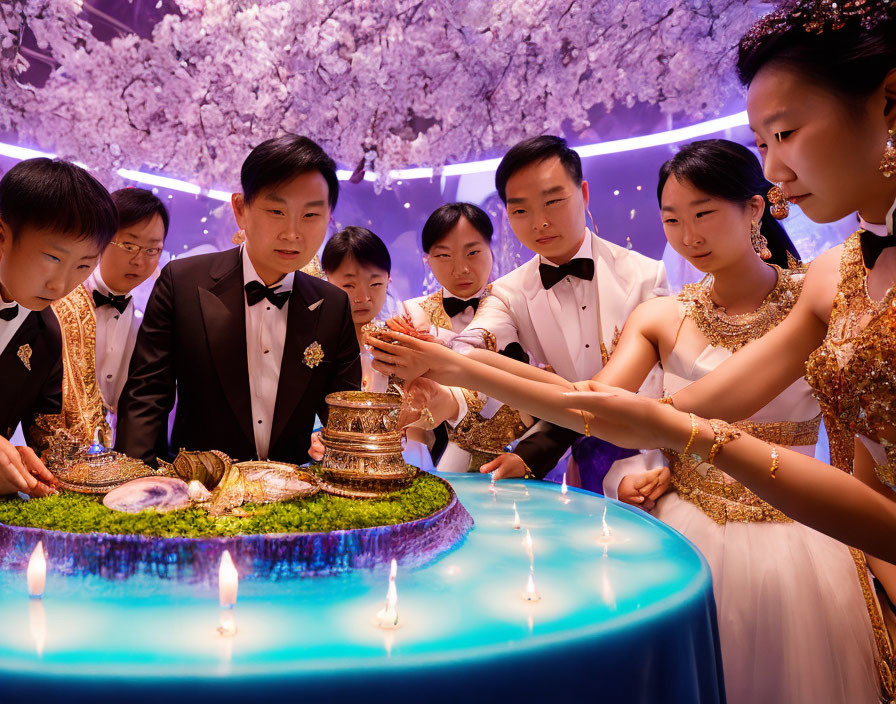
<point x="116" y="334"/>
<point x="574" y="302"/>
<point x="265" y="337"/>
<point x="8" y="328"/>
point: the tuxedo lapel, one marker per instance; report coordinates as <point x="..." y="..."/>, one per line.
<point x="302" y="320"/>
<point x="613" y="286"/>
<point x="224" y="315"/>
<point x="546" y="327"/>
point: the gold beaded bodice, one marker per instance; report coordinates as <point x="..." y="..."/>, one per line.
<point x="853" y="373"/>
<point x="707" y="487"/>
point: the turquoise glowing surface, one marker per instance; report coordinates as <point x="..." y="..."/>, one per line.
<point x="466" y="606"/>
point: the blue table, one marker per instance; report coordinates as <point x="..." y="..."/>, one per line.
<point x="626" y="615"/>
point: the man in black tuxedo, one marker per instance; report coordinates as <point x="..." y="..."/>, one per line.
<point x="55" y="221"/>
<point x="249" y="344"/>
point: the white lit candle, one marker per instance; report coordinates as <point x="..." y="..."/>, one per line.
<point x="564" y="490"/>
<point x="227" y="626"/>
<point x="531" y="593"/>
<point x="228" y="581"/>
<point x="516" y="518"/>
<point x="387" y="617"/>
<point x="37" y="571"/>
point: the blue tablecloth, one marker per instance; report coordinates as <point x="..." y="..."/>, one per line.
<point x="626" y="615"/>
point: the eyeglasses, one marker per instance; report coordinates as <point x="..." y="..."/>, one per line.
<point x="132" y="248"/>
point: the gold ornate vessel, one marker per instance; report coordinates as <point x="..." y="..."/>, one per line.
<point x="362" y="441"/>
<point x="90" y="469"/>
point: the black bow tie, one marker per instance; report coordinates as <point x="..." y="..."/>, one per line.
<point x="873" y="245"/>
<point x="256" y="292"/>
<point x="8" y="314"/>
<point x="552" y="275"/>
<point x="454" y="306"/>
<point x="119" y="303"/>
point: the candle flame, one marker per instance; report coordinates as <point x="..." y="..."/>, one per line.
<point x="228" y="581"/>
<point x="516" y="518"/>
<point x="37" y="571"/>
<point x="393" y="570"/>
<point x="563" y="489"/>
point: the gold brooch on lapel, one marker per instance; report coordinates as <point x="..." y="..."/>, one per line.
<point x="25" y="355"/>
<point x="314" y="354"/>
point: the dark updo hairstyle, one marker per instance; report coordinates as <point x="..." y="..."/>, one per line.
<point x="136" y="205"/>
<point x="52" y="194"/>
<point x="730" y="171"/>
<point x="849" y="54"/>
<point x="533" y="151"/>
<point x="276" y="161"/>
<point x="445" y="218"/>
<point x="360" y="244"/>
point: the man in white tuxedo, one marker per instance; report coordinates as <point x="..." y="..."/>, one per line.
<point x="566" y="305"/>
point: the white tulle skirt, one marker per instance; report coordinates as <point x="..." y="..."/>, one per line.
<point x="792" y="618"/>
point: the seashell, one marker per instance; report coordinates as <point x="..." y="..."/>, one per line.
<point x="268" y="481"/>
<point x="157" y="493"/>
<point x="208" y="466"/>
<point x="197" y="491"/>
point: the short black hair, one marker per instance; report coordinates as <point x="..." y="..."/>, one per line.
<point x="445" y="218"/>
<point x="52" y="194"/>
<point x="360" y="244"/>
<point x="532" y="151"/>
<point x="280" y="159"/>
<point x="136" y="205"/>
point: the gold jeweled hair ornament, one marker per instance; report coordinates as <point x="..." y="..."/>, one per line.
<point x="816" y="17"/>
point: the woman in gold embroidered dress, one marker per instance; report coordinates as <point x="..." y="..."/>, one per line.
<point x="792" y="615"/>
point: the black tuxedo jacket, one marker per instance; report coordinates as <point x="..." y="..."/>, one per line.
<point x="24" y="392"/>
<point x="192" y="342"/>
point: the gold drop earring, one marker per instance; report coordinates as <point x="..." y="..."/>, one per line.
<point x="759" y="242"/>
<point x="780" y="207"/>
<point x="888" y="163"/>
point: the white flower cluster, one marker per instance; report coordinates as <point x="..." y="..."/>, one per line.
<point x="380" y="85"/>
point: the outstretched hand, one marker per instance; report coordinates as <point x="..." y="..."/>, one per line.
<point x="627" y="419"/>
<point x="411" y="357"/>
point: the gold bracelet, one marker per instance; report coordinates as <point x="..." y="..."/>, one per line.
<point x="694" y="430"/>
<point x="724" y="433"/>
<point x="667" y="400"/>
<point x="585" y="420"/>
<point x="775" y="462"/>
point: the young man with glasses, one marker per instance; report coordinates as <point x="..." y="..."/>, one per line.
<point x="99" y="323"/>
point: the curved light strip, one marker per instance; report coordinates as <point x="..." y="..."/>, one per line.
<point x="615" y="146"/>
